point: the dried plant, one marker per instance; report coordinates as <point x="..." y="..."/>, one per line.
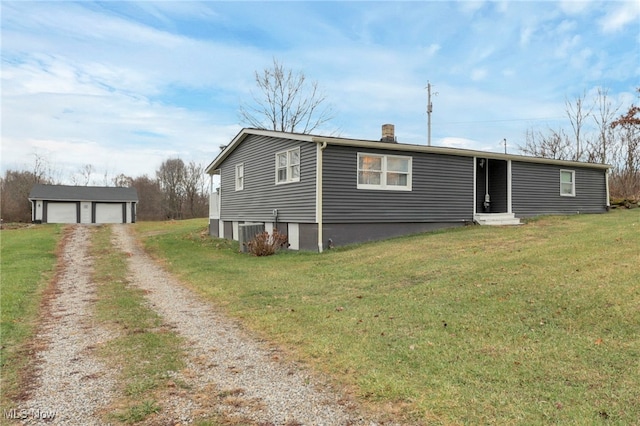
<point x="264" y="244"/>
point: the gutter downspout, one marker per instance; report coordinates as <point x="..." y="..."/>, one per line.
<point x="319" y="150"/>
<point x="606" y="182"/>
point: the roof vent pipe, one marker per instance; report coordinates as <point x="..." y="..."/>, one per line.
<point x="388" y="133"/>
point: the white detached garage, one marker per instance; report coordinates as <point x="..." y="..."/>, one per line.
<point x="82" y="204"/>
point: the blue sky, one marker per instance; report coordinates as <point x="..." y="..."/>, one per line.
<point x="125" y="85"/>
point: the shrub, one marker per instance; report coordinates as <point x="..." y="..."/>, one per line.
<point x="264" y="244"/>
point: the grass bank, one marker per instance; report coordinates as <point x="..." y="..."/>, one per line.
<point x="535" y="324"/>
<point x="27" y="265"/>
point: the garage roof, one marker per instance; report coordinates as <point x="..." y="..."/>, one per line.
<point x="82" y="193"/>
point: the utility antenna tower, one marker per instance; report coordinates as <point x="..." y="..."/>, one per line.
<point x="429" y="111"/>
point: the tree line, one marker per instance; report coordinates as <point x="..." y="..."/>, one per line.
<point x="178" y="190"/>
<point x="599" y="133"/>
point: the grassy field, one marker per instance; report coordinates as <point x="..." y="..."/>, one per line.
<point x="536" y="324"/>
<point x="27" y="262"/>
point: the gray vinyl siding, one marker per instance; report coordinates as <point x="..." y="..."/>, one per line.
<point x="536" y="190"/>
<point x="442" y="189"/>
<point x="295" y="201"/>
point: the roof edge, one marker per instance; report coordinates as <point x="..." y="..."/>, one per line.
<point x="212" y="167"/>
<point x="452" y="151"/>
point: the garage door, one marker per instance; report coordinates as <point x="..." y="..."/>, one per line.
<point x="62" y="213"/>
<point x="109" y="213"/>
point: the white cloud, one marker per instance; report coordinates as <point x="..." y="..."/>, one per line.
<point x="619" y="15"/>
<point x="79" y="120"/>
<point x="432" y="49"/>
<point x="525" y="35"/>
<point x="470" y="7"/>
<point x="478" y="74"/>
<point x="567" y="46"/>
<point x="573" y="7"/>
<point x="455" y="142"/>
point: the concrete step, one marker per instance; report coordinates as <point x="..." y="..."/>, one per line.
<point x="496" y="219"/>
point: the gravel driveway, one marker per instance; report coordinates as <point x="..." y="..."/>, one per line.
<point x="257" y="386"/>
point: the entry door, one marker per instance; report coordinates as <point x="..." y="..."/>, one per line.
<point x="492" y="177"/>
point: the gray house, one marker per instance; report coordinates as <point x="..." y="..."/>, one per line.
<point x="82" y="204"/>
<point x="327" y="191"/>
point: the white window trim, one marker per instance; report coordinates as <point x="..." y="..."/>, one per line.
<point x="383" y="179"/>
<point x="573" y="183"/>
<point x="239" y="182"/>
<point x="290" y="178"/>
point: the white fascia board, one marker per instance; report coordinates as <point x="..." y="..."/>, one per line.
<point x="453" y="151"/>
<point x="215" y="164"/>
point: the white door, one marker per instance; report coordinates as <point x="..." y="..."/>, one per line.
<point x="109" y="213"/>
<point x="62" y="213"/>
<point x="294" y="236"/>
<point x="85" y="212"/>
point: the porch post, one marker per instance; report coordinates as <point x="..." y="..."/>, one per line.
<point x="509" y="210"/>
<point x="475" y="181"/>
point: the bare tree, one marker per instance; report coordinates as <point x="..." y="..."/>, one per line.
<point x="15" y="187"/>
<point x="556" y="144"/>
<point x="601" y="149"/>
<point x="626" y="177"/>
<point x="83" y="177"/>
<point x="123" y="181"/>
<point x="171" y="177"/>
<point x="150" y="198"/>
<point x="41" y="169"/>
<point x="553" y="144"/>
<point x="286" y="102"/>
<point x="577" y="112"/>
<point x="196" y="202"/>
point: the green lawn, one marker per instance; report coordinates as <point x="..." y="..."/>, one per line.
<point x="27" y="262"/>
<point x="536" y="324"/>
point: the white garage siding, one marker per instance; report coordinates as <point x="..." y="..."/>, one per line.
<point x="108" y="213"/>
<point x="62" y="212"/>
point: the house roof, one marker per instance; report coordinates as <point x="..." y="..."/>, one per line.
<point x="373" y="144"/>
<point x="82" y="193"/>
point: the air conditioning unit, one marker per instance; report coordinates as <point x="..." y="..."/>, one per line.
<point x="246" y="232"/>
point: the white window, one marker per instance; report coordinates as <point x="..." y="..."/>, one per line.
<point x="388" y="172"/>
<point x="239" y="177"/>
<point x="568" y="183"/>
<point x="288" y="166"/>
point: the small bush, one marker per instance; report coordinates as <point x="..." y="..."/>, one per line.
<point x="264" y="244"/>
